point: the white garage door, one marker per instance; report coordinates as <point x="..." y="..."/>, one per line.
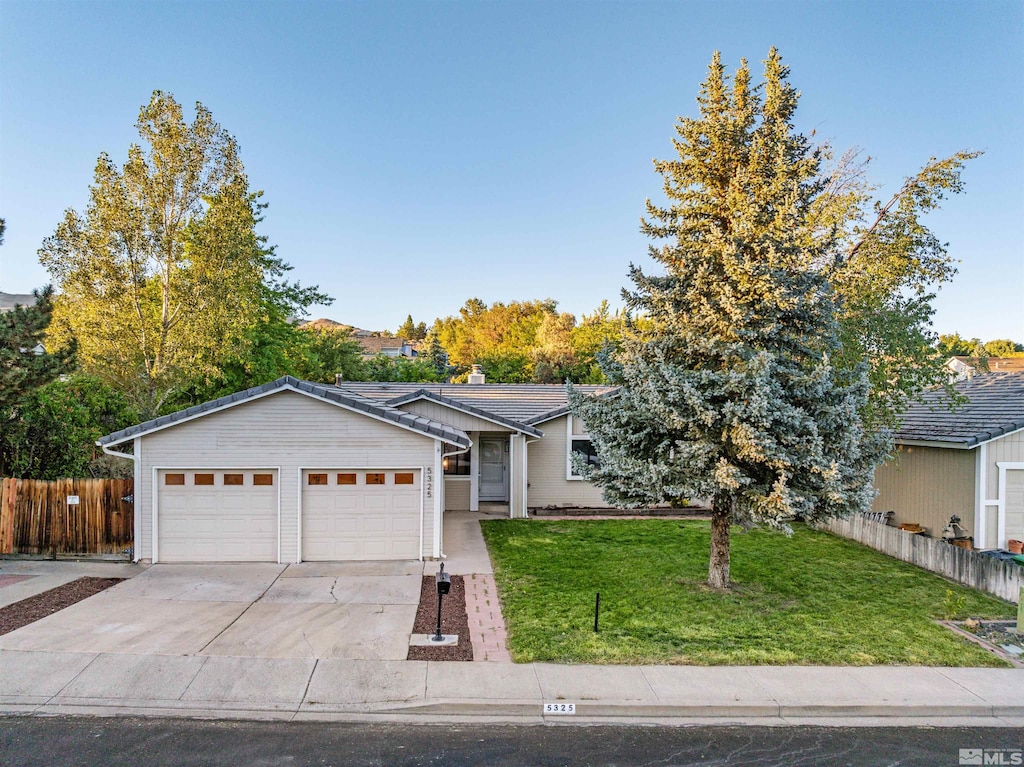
<point x="1014" y="505"/>
<point x="360" y="514"/>
<point x="223" y="515"/>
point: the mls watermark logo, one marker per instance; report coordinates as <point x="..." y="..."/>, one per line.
<point x="994" y="756"/>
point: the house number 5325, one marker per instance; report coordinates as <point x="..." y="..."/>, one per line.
<point x="559" y="708"/>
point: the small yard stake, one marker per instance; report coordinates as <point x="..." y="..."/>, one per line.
<point x="597" y="610"/>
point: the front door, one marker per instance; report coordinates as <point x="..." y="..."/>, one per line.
<point x="493" y="469"/>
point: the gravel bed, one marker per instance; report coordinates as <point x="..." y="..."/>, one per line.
<point x="453" y="621"/>
<point x="29" y="610"/>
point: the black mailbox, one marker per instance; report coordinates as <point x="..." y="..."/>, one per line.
<point x="444" y="581"/>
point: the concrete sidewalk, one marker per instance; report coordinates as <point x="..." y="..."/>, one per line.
<point x="48" y="683"/>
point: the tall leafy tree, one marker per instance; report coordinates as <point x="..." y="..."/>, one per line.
<point x="325" y="353"/>
<point x="411" y="331"/>
<point x="435" y="355"/>
<point x="25" y="365"/>
<point x="952" y="345"/>
<point x="730" y="392"/>
<point x="58" y="426"/>
<point x="1003" y="347"/>
<point x="163" y="279"/>
<point x="886" y="271"/>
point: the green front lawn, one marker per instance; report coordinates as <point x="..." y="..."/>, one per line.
<point x="811" y="598"/>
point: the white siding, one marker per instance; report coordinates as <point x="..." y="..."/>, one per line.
<point x="546" y="469"/>
<point x="456" y="494"/>
<point x="1014" y="505"/>
<point x="456" y="418"/>
<point x="286" y="431"/>
<point x="1009" y="449"/>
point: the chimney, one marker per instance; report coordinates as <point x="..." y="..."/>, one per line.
<point x="339" y="379"/>
<point x="476" y="375"/>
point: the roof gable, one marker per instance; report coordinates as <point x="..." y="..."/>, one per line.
<point x="352" y="402"/>
<point x="525" y="404"/>
<point x="462" y="407"/>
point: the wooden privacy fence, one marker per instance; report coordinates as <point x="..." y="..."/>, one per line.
<point x="36" y="518"/>
<point x="1003" y="579"/>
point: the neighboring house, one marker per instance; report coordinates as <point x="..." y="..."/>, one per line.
<point x="389" y="346"/>
<point x="962" y="368"/>
<point x="325" y="324"/>
<point x="9" y="300"/>
<point x="967" y="462"/>
<point x="293" y="471"/>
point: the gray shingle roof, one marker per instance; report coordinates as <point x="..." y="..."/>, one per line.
<point x="995" y="408"/>
<point x="525" y="404"/>
<point x="331" y="394"/>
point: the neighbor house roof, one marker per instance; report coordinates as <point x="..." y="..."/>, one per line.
<point x="373" y="345"/>
<point x="995" y="407"/>
<point x="524" y="404"/>
<point x="345" y="399"/>
<point x="995" y="364"/>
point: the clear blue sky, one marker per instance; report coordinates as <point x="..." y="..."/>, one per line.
<point x="418" y="154"/>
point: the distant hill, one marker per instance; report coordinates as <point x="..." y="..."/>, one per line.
<point x="9" y="300"/>
<point x="325" y="324"/>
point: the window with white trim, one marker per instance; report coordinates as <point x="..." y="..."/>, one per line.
<point x="456" y="464"/>
<point x="580" y="444"/>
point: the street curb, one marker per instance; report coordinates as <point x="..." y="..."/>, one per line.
<point x="530" y="712"/>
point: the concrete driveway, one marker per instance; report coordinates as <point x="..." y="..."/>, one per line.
<point x="358" y="610"/>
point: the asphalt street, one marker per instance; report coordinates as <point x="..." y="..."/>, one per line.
<point x="89" y="742"/>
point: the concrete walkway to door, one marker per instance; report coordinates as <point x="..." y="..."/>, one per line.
<point x="466" y="555"/>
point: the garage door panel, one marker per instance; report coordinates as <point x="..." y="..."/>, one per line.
<point x="376" y="503"/>
<point x="219" y="522"/>
<point x="406" y="503"/>
<point x="361" y="521"/>
<point x="406" y="527"/>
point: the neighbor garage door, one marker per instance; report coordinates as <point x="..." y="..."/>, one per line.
<point x="223" y="515"/>
<point x="361" y="514"/>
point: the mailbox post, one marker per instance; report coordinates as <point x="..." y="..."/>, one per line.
<point x="444" y="585"/>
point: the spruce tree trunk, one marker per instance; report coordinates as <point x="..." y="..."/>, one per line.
<point x="721" y="517"/>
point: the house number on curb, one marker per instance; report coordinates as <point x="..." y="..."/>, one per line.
<point x="429" y="484"/>
<point x="559" y="708"/>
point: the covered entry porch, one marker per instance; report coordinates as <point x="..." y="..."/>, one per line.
<point x="491" y="477"/>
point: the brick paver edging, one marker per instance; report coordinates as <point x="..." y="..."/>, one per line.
<point x="486" y="624"/>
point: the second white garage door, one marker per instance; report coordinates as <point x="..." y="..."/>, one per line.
<point x="361" y="514"/>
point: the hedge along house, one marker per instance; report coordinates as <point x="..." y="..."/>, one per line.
<point x="967" y="462"/>
<point x="294" y="471"/>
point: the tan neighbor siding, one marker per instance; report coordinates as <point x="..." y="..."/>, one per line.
<point x="546" y="468"/>
<point x="928" y="485"/>
<point x="456" y="418"/>
<point x="284" y="430"/>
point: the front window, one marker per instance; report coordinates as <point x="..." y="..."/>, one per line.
<point x="456" y="465"/>
<point x="582" y="446"/>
